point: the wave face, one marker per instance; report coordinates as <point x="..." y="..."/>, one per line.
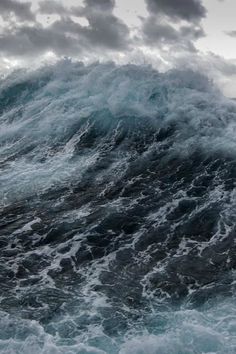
<point x="118" y="212"/>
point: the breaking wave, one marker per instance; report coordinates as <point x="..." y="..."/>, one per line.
<point x="118" y="212"/>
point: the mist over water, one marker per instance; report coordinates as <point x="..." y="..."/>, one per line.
<point x="117" y="227"/>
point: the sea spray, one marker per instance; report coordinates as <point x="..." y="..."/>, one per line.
<point x="117" y="190"/>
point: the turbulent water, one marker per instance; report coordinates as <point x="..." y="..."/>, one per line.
<point x="117" y="212"/>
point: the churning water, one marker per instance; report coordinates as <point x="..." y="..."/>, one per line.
<point x="118" y="212"/>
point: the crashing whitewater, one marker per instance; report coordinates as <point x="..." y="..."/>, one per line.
<point x="118" y="212"/>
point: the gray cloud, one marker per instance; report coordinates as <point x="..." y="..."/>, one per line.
<point x="50" y="7"/>
<point x="231" y="34"/>
<point x="188" y="10"/>
<point x="192" y="32"/>
<point x="157" y="28"/>
<point x="163" y="34"/>
<point x="155" y="32"/>
<point x="19" y="9"/>
<point x="27" y="41"/>
<point x="107" y="31"/>
<point x="104" y="31"/>
<point x="103" y="5"/>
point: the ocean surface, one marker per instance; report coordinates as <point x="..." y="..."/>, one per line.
<point x="117" y="212"/>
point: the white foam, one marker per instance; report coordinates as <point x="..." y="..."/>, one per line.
<point x="48" y="122"/>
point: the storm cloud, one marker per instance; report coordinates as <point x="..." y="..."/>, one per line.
<point x="231" y="33"/>
<point x="156" y="31"/>
<point x="173" y="23"/>
<point x="22" y="11"/>
<point x="104" y="5"/>
<point x="66" y="36"/>
<point x="104" y="30"/>
<point x="188" y="10"/>
<point x="51" y="7"/>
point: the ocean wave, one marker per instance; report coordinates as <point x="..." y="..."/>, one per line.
<point x="117" y="188"/>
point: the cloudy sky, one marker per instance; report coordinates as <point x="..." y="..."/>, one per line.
<point x="200" y="34"/>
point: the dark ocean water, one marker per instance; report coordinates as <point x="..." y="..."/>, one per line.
<point x="117" y="212"/>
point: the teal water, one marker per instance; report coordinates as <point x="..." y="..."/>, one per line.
<point x="117" y="228"/>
